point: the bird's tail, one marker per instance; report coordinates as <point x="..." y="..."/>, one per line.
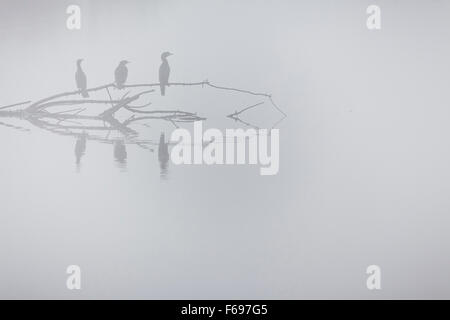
<point x="84" y="94"/>
<point x="163" y="89"/>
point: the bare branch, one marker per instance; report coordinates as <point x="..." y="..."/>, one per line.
<point x="67" y="111"/>
<point x="74" y="102"/>
<point x="236" y="113"/>
<point x="123" y="103"/>
<point x="239" y="90"/>
<point x="35" y="106"/>
<point x="15" y="105"/>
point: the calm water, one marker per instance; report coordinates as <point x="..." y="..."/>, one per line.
<point x="363" y="157"/>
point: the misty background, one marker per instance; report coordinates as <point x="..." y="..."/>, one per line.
<point x="364" y="158"/>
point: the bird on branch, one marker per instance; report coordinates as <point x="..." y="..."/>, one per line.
<point x="164" y="72"/>
<point x="81" y="80"/>
<point x="121" y="74"/>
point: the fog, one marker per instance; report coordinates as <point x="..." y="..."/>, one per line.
<point x="363" y="154"/>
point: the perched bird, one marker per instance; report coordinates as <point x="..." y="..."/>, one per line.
<point x="81" y="80"/>
<point x="164" y="72"/>
<point x="121" y="74"/>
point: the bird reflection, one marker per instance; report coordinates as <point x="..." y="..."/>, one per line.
<point x="120" y="154"/>
<point x="163" y="156"/>
<point x="80" y="149"/>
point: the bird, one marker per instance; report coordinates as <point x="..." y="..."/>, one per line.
<point x="164" y="72"/>
<point x="121" y="74"/>
<point x="81" y="80"/>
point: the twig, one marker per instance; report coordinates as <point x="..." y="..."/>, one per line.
<point x="236" y="113"/>
<point x="123" y="103"/>
<point x="110" y="98"/>
<point x="15" y="105"/>
<point x="278" y="122"/>
<point x="169" y="84"/>
<point x="276" y="106"/>
<point x="13" y="126"/>
<point x="69" y="121"/>
<point x="238" y="90"/>
<point x="140" y="107"/>
<point x="73" y="102"/>
<point x="67" y="111"/>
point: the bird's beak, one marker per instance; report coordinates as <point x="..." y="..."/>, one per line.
<point x="170" y="54"/>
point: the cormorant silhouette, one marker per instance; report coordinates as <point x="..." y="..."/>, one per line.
<point x="81" y="80"/>
<point x="164" y="72"/>
<point x="121" y="74"/>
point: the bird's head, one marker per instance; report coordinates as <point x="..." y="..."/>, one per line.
<point x="79" y="61"/>
<point x="166" y="54"/>
<point x="124" y="62"/>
